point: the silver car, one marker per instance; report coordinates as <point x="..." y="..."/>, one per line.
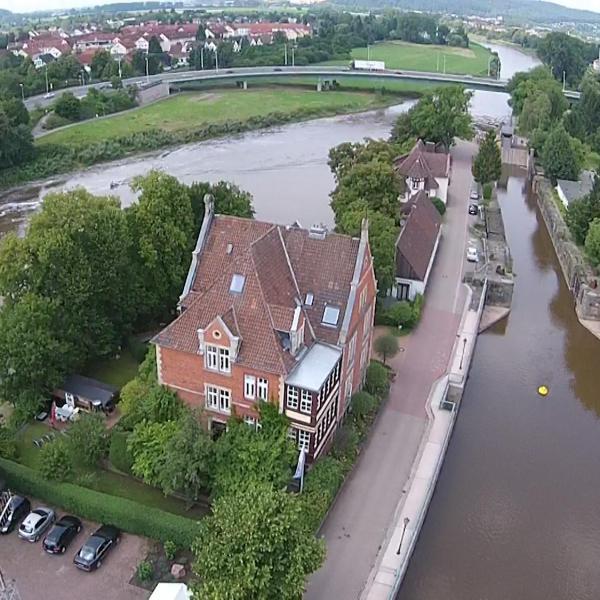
<point x="36" y="523"/>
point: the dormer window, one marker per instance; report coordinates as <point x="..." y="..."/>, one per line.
<point x="217" y="358"/>
<point x="331" y="314"/>
<point x="308" y="301"/>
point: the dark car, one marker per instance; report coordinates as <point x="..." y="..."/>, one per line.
<point x="473" y="209"/>
<point x="18" y="508"/>
<point x="95" y="549"/>
<point x="61" y="535"/>
<point x="277" y="69"/>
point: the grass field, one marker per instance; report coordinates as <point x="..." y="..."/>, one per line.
<point x="114" y="371"/>
<point x="191" y="110"/>
<point x="426" y="57"/>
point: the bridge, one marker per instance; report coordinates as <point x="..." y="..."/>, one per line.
<point x="322" y="73"/>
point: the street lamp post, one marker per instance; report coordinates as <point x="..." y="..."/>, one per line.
<point x="368" y="52"/>
<point x="147" y="70"/>
<point x="47" y="86"/>
<point x="216" y="59"/>
<point x="293" y="59"/>
<point x="462" y="356"/>
<point x="22" y="92"/>
<point x="202" y="58"/>
<point x="285" y="54"/>
<point x="406" y="522"/>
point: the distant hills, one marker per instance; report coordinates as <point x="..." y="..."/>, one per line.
<point x="531" y="11"/>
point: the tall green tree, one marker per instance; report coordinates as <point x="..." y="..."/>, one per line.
<point x="243" y="454"/>
<point x="560" y="157"/>
<point x="443" y="115"/>
<point x="256" y="544"/>
<point x="16" y="142"/>
<point x="487" y="165"/>
<point x="582" y="212"/>
<point x="566" y="56"/>
<point x="161" y="226"/>
<point x="592" y="241"/>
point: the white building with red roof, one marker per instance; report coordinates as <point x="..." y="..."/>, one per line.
<point x="275" y="314"/>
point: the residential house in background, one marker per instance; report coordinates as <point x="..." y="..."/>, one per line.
<point x="272" y="313"/>
<point x="425" y="168"/>
<point x="571" y="191"/>
<point x="416" y="246"/>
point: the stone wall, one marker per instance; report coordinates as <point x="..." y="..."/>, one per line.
<point x="578" y="274"/>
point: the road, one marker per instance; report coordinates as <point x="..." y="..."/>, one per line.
<point x="357" y="524"/>
<point x="275" y="71"/>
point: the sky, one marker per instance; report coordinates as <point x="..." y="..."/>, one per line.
<point x="30" y="5"/>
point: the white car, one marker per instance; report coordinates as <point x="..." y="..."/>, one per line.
<point x="472" y="254"/>
<point x="474" y="195"/>
<point x="36" y="522"/>
<point x="49" y="95"/>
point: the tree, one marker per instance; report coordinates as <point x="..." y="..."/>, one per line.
<point x="244" y="454"/>
<point x="487" y="165"/>
<point x="16" y="142"/>
<point x="33" y="355"/>
<point x="443" y="115"/>
<point x="88" y="440"/>
<point x="68" y="107"/>
<point x="566" y="56"/>
<point x="161" y="225"/>
<point x="439" y="205"/>
<point x="55" y="461"/>
<point x="592" y="241"/>
<point x="15" y="110"/>
<point x="536" y="113"/>
<point x="188" y="460"/>
<point x="146" y="444"/>
<point x="386" y="346"/>
<point x="559" y="155"/>
<point x="256" y="544"/>
<point x="582" y="212"/>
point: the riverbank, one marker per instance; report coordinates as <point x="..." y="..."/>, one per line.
<point x="296" y="105"/>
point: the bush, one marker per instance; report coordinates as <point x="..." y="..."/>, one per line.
<point x="377" y="381"/>
<point x="386" y="346"/>
<point x="363" y="405"/>
<point x="53" y="121"/>
<point x="400" y="314"/>
<point x="487" y="191"/>
<point x="438" y="203"/>
<point x="145" y="570"/>
<point x="170" y="549"/>
<point x="345" y="443"/>
<point x="8" y="446"/>
<point x="88" y="440"/>
<point x="55" y="461"/>
<point x="119" y="455"/>
<point x="123" y="513"/>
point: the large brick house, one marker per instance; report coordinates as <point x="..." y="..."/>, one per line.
<point x="272" y="313"/>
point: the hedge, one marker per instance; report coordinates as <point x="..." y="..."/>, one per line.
<point x="123" y="513"/>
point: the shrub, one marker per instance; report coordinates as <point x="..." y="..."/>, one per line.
<point x="145" y="570"/>
<point x="487" y="191"/>
<point x="123" y="513"/>
<point x="345" y="443"/>
<point x="363" y="405"/>
<point x="55" y="461"/>
<point x="400" y="314"/>
<point x="439" y="204"/>
<point x="377" y="381"/>
<point x="170" y="549"/>
<point x="88" y="440"/>
<point x="53" y="121"/>
<point x="8" y="447"/>
<point x="119" y="455"/>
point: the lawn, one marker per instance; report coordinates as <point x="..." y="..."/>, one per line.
<point x="102" y="480"/>
<point x="426" y="57"/>
<point x="195" y="109"/>
<point x="114" y="371"/>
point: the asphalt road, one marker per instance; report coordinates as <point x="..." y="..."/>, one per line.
<point x="357" y="524"/>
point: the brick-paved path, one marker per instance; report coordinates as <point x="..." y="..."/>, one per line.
<point x="357" y="524"/>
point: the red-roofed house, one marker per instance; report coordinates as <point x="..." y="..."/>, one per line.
<point x="424" y="168"/>
<point x="272" y="313"/>
<point x="416" y="246"/>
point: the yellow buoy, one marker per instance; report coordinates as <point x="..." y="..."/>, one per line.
<point x="543" y="390"/>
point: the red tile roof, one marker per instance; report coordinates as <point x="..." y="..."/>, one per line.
<point x="422" y="162"/>
<point x="417" y="239"/>
<point x="280" y="266"/>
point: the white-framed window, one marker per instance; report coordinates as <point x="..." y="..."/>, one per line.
<point x="217" y="358"/>
<point x="224" y="360"/>
<point x="250" y="421"/>
<point x="349" y="385"/>
<point x="351" y="350"/>
<point x="212" y="357"/>
<point x="293" y="395"/>
<point x="305" y="401"/>
<point x="364" y="355"/>
<point x="262" y="388"/>
<point x="293" y="434"/>
<point x="250" y="387"/>
<point x="363" y="298"/>
<point x="218" y="399"/>
<point x="303" y="440"/>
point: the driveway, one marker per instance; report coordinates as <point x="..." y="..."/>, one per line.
<point x="39" y="575"/>
<point x="357" y="525"/>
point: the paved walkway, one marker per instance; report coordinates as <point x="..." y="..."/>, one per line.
<point x="356" y="526"/>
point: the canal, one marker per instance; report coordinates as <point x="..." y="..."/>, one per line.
<point x="516" y="512"/>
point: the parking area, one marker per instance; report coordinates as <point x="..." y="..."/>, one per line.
<point x="39" y="575"/>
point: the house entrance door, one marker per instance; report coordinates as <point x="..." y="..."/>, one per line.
<point x="402" y="291"/>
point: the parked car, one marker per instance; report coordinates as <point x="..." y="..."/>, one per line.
<point x="36" y="523"/>
<point x="95" y="549"/>
<point x="474" y="195"/>
<point x="277" y="69"/>
<point x="472" y="254"/>
<point x="18" y="507"/>
<point x="61" y="534"/>
<point x="473" y="209"/>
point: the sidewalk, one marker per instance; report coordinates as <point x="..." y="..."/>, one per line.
<point x="357" y="525"/>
